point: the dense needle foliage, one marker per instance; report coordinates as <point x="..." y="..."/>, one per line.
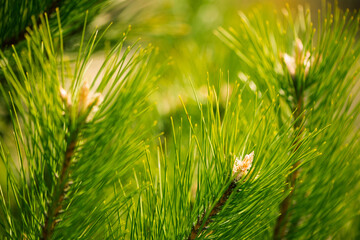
<point x="17" y="15"/>
<point x="190" y="180"/>
<point x="321" y="81"/>
<point x="269" y="152"/>
<point x="72" y="149"/>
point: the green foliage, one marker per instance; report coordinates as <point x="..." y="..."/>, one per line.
<point x="70" y="155"/>
<point x="86" y="165"/>
<point x="193" y="176"/>
<point x="322" y="86"/>
<point x="17" y="15"/>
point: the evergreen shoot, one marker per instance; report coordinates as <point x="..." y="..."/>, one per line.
<point x="314" y="72"/>
<point x="270" y="152"/>
<point x="74" y="142"/>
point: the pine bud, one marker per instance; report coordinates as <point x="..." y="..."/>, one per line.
<point x="298" y="60"/>
<point x="290" y="63"/>
<point x="241" y="167"/>
<point x="87" y="102"/>
<point x="83" y="97"/>
<point x="65" y="97"/>
<point x="63" y="94"/>
<point x="299" y="47"/>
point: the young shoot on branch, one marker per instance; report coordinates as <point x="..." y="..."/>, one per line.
<point x="73" y="145"/>
<point x="315" y="72"/>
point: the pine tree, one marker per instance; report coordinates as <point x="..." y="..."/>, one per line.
<point x="274" y="154"/>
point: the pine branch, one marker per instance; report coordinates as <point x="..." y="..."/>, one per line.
<point x="51" y="128"/>
<point x="60" y="189"/>
<point x="326" y="70"/>
<point x="204" y="221"/>
<point x="263" y="188"/>
<point x="21" y="36"/>
<point x="86" y="103"/>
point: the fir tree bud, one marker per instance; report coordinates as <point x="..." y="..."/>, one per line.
<point x="241" y="167"/>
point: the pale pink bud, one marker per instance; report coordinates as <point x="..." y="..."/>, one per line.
<point x="88" y="102"/>
<point x="241" y="167"/>
<point x="290" y="64"/>
<point x="299" y="47"/>
<point x="65" y="97"/>
<point x="83" y="97"/>
<point x="63" y="94"/>
<point x="298" y="60"/>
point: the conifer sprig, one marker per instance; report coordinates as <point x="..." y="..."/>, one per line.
<point x="280" y="161"/>
<point x="193" y="195"/>
<point x="314" y="71"/>
<point x="72" y="149"/>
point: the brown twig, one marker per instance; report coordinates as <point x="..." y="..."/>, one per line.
<point x="280" y="227"/>
<point x="204" y="221"/>
<point x="60" y="189"/>
<point x="21" y="35"/>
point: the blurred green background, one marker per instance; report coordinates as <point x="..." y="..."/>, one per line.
<point x="183" y="32"/>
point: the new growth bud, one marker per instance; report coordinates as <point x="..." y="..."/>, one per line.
<point x="299" y="47"/>
<point x="241" y="167"/>
<point x="87" y="102"/>
<point x="83" y="97"/>
<point x="290" y="63"/>
<point x="63" y="94"/>
<point x="65" y="97"/>
<point x="299" y="59"/>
